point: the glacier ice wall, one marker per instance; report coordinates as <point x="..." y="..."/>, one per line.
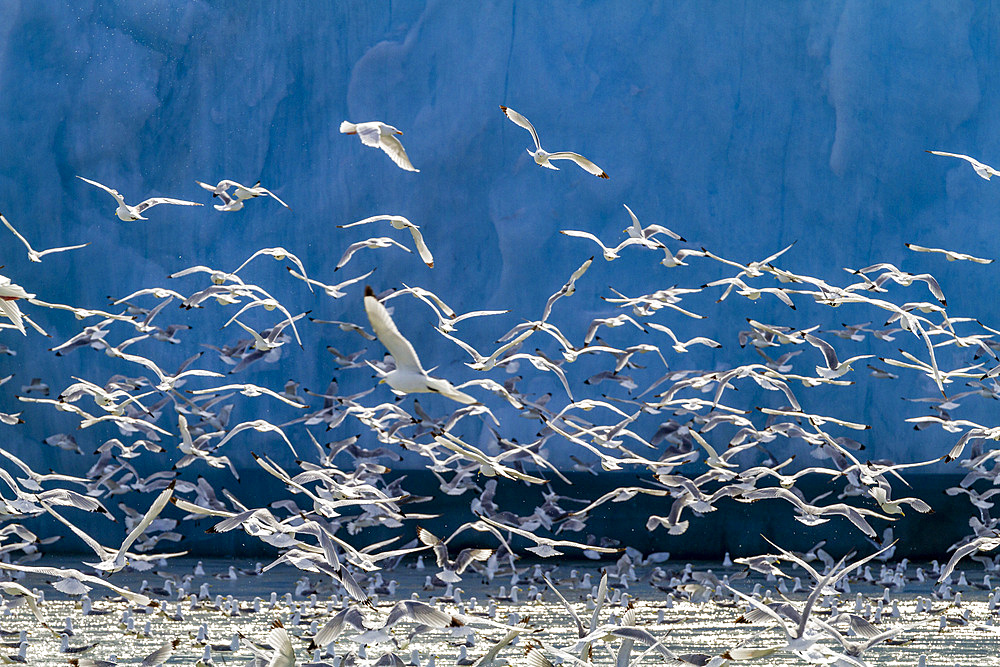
<point x="743" y="126"/>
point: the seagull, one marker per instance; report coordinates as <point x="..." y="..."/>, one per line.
<point x="167" y="381"/>
<point x="115" y="561"/>
<point x="409" y="376"/>
<point x="241" y="193"/>
<point x="451" y="569"/>
<point x="421" y="612"/>
<point x="950" y="255"/>
<point x="332" y="291"/>
<point x="447" y="317"/>
<point x="261" y="426"/>
<point x="682" y="346"/>
<point x="834" y="367"/>
<point x="399" y="222"/>
<point x="636" y="229"/>
<point x="376" y="242"/>
<point x="270" y="338"/>
<point x="128" y="213"/>
<point x="9" y="294"/>
<point x="279" y="254"/>
<point x="984" y="170"/>
<point x="34" y="255"/>
<point x="161" y="654"/>
<point x="250" y="390"/>
<point x="278" y="639"/>
<point x="376" y="133"/>
<point x="542" y="158"/>
<point x="611" y="254"/>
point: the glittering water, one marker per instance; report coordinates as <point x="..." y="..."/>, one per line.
<point x="681" y="625"/>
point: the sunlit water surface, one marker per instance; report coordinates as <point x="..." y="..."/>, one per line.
<point x="686" y="627"/>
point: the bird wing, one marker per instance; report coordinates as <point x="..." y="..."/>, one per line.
<point x="111" y="191"/>
<point x="828" y="352"/>
<point x="378" y="241"/>
<point x="351" y="249"/>
<point x="394" y="149"/>
<point x="153" y="512"/>
<point x="445" y="388"/>
<point x="284" y="652"/>
<point x="422" y="249"/>
<point x="635" y="229"/>
<point x="521" y="121"/>
<point x="153" y="201"/>
<point x="400" y="348"/>
<point x="368" y="132"/>
<point x="160" y="655"/>
<point x="275" y="197"/>
<point x="581" y="161"/>
<point x="984" y="170"/>
<point x="428" y="615"/>
<point x="16" y="233"/>
<point x="584" y="235"/>
<point x="576" y="618"/>
<point x="374" y="218"/>
<point x="63" y="249"/>
<point x="466" y="556"/>
<point x="214" y="189"/>
<point x="433" y="541"/>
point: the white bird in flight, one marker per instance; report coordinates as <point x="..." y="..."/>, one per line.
<point x="611" y="254"/>
<point x="542" y="157"/>
<point x="399" y="222"/>
<point x="34" y="255"/>
<point x="376" y="242"/>
<point x="128" y="213"/>
<point x="378" y="134"/>
<point x="241" y="194"/>
<point x="984" y="170"/>
<point x="409" y="376"/>
<point x="9" y="294"/>
<point x="950" y="255"/>
<point x="115" y="561"/>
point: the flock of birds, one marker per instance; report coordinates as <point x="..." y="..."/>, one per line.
<point x="682" y="434"/>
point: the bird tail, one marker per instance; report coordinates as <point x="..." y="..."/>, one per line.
<point x="348" y="128"/>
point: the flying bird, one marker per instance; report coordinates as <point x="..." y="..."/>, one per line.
<point x="542" y="157"/>
<point x="399" y="222"/>
<point x="128" y="213"/>
<point x="9" y="294"/>
<point x="376" y="242"/>
<point x="34" y="255"/>
<point x="380" y="135"/>
<point x="984" y="170"/>
<point x="409" y="376"/>
<point x="234" y="201"/>
<point x="950" y="255"/>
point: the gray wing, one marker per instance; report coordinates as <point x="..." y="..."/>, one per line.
<point x="160" y="655"/>
<point x="828" y="352"/>
<point x="369" y="133"/>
